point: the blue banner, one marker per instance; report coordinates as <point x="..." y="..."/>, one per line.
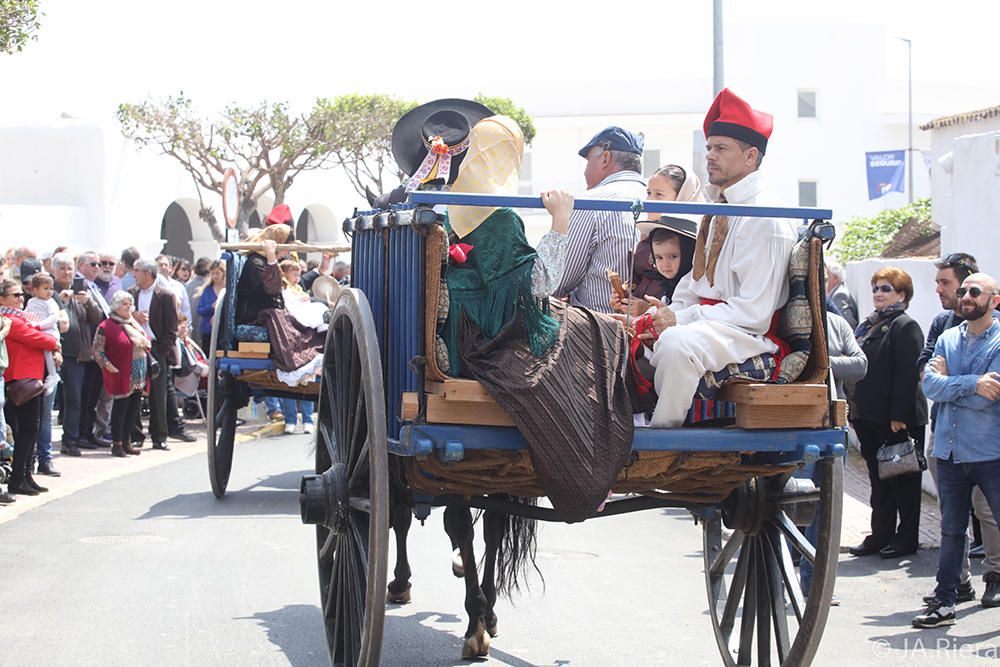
<point x="886" y="172"/>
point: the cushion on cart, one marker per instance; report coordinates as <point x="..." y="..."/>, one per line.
<point x="251" y="333"/>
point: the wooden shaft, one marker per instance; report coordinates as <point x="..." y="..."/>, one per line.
<point x="302" y="247"/>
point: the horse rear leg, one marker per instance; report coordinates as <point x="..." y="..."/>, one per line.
<point x="458" y="523"/>
<point x="494" y="527"/>
<point x="399" y="587"/>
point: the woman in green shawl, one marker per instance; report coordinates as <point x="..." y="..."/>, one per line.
<point x="555" y="369"/>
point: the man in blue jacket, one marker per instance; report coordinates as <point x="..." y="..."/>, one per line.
<point x="963" y="380"/>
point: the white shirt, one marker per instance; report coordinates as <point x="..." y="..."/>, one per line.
<point x="751" y="274"/>
<point x="142" y="305"/>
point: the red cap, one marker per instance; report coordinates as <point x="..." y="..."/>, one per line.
<point x="731" y="116"/>
<point x="280" y="215"/>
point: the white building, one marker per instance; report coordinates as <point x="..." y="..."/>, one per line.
<point x="965" y="181"/>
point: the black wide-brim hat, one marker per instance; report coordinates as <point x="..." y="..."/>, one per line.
<point x="451" y="119"/>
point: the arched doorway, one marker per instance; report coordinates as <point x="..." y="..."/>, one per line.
<point x="318" y="224"/>
<point x="176" y="228"/>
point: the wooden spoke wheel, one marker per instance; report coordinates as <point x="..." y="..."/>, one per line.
<point x="223" y="404"/>
<point x="759" y="613"/>
<point x="348" y="497"/>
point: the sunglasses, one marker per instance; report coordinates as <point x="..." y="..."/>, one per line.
<point x="16" y="294"/>
<point x="93" y="263"/>
<point x="974" y="292"/>
<point x="108" y="263"/>
<point x="882" y="288"/>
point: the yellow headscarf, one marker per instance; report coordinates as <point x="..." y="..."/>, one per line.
<point x="492" y="166"/>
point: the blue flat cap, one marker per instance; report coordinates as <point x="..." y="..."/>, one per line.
<point x="615" y="139"/>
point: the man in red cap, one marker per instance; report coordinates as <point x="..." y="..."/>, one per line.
<point x="722" y="309"/>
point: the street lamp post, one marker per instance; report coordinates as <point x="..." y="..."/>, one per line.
<point x="909" y="115"/>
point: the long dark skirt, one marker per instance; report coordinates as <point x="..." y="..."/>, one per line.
<point x="570" y="404"/>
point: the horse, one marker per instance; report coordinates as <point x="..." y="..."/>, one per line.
<point x="509" y="556"/>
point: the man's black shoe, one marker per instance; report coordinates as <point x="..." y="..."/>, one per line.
<point x="182" y="436"/>
<point x="991" y="596"/>
<point x="965" y="593"/>
<point x="6" y="498"/>
<point x="70" y="450"/>
<point x="161" y="446"/>
<point x="866" y="548"/>
<point x="97" y="442"/>
<point x="84" y="443"/>
<point x="892" y="551"/>
<point x="47" y="469"/>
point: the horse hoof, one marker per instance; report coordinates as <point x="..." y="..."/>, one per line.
<point x="457" y="567"/>
<point x="476" y="646"/>
<point x="398" y="598"/>
<point x="493" y="630"/>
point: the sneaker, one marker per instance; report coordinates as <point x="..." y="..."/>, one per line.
<point x="991" y="596"/>
<point x="6" y="498"/>
<point x="308" y="428"/>
<point x="289" y="429"/>
<point x="935" y="615"/>
<point x="965" y="593"/>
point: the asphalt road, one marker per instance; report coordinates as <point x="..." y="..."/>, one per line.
<point x="150" y="569"/>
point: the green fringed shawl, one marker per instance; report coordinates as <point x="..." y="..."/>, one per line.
<point x="494" y="286"/>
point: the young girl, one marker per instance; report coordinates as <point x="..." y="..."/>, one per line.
<point x="670" y="241"/>
<point x="669" y="183"/>
<point x="299" y="304"/>
<point x="47" y="309"/>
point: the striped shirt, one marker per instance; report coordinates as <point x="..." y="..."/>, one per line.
<point x="600" y="241"/>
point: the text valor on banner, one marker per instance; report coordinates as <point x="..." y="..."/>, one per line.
<point x="886" y="173"/>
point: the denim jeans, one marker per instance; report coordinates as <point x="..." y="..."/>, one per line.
<point x="290" y="407"/>
<point x="955" y="482"/>
<point x="72" y="376"/>
<point x="44" y="447"/>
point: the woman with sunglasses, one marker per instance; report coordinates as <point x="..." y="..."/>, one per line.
<point x="889" y="407"/>
<point x="23" y="381"/>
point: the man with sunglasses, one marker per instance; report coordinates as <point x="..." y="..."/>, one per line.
<point x="963" y="380"/>
<point x="106" y="279"/>
<point x="952" y="270"/>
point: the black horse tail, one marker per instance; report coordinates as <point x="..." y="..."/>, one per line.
<point x="517" y="551"/>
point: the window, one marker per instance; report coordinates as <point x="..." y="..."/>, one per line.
<point x="524" y="187"/>
<point x="808" y="193"/>
<point x="807" y="104"/>
<point x="650" y="162"/>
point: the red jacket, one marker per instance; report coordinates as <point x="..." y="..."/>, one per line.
<point x="24" y="350"/>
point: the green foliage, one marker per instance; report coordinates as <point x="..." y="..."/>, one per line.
<point x="868" y="237"/>
<point x="358" y="130"/>
<point x="18" y="24"/>
<point x="505" y="107"/>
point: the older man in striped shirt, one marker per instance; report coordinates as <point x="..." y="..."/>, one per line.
<point x="600" y="241"/>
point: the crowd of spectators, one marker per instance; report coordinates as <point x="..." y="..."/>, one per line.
<point x="88" y="339"/>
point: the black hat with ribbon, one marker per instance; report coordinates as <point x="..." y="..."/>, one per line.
<point x="430" y="141"/>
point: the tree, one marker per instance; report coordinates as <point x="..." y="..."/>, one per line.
<point x="503" y="106"/>
<point x="266" y="144"/>
<point x="360" y="135"/>
<point x="18" y="24"/>
<point x="869" y="237"/>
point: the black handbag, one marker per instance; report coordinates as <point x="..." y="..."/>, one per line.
<point x="20" y="392"/>
<point x="152" y="367"/>
<point x="898" y="459"/>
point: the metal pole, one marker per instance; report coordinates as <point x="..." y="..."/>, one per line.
<point x="909" y="116"/>
<point x="718" y="74"/>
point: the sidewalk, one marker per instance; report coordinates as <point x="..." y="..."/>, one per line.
<point x="97" y="466"/>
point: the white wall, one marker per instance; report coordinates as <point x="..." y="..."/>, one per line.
<point x="942" y="182"/>
<point x="975" y="201"/>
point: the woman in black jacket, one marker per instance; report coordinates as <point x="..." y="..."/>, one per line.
<point x="889" y="406"/>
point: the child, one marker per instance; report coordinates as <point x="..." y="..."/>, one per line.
<point x="661" y="260"/>
<point x="47" y="309"/>
<point x="300" y="305"/>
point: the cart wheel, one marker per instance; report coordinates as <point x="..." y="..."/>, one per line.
<point x="755" y="600"/>
<point x="347" y="499"/>
<point x="221" y="415"/>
